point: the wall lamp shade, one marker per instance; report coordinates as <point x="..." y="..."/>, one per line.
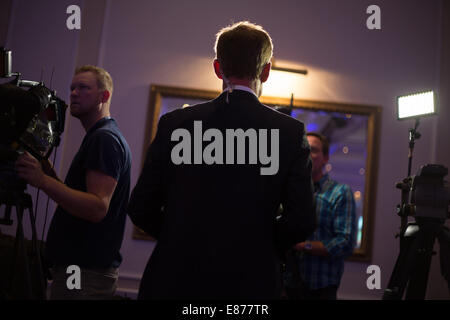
<point x="288" y="69"/>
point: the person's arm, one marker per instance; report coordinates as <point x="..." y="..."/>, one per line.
<point x="48" y="169"/>
<point x="344" y="225"/>
<point x="145" y="208"/>
<point x="298" y="220"/>
<point x="91" y="205"/>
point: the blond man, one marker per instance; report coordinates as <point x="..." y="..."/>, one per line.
<point x="87" y="227"/>
<point x="215" y="215"/>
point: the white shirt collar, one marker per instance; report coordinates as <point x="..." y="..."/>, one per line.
<point x="243" y="88"/>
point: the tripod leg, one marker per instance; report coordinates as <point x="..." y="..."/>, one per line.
<point x="19" y="273"/>
<point x="403" y="266"/>
<point x="417" y="285"/>
<point x="6" y="220"/>
<point x="444" y="252"/>
<point x="36" y="255"/>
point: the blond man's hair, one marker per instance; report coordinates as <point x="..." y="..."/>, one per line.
<point x="243" y="49"/>
<point x="104" y="79"/>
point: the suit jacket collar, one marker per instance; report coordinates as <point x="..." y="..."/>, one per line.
<point x="242" y="88"/>
<point x="239" y="95"/>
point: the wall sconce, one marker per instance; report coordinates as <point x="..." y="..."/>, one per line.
<point x="284" y="81"/>
<point x="285" y="69"/>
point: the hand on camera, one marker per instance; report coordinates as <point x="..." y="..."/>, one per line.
<point x="30" y="169"/>
<point x="47" y="167"/>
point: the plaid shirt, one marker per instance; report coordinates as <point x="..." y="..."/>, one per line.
<point x="335" y="209"/>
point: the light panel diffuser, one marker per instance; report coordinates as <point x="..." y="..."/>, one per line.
<point x="416" y="105"/>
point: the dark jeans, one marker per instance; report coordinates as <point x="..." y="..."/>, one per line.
<point x="96" y="284"/>
<point x="303" y="293"/>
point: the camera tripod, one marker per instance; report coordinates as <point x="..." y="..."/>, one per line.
<point x="424" y="197"/>
<point x="413" y="263"/>
<point x="26" y="276"/>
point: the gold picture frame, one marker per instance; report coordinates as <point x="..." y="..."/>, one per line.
<point x="371" y="115"/>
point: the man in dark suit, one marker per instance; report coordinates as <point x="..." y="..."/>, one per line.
<point x="213" y="180"/>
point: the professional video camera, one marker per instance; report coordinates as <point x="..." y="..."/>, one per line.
<point x="427" y="194"/>
<point x="31" y="119"/>
<point x="426" y="198"/>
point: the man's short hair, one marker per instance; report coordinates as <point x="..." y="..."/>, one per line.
<point x="104" y="80"/>
<point x="323" y="140"/>
<point x="243" y="49"/>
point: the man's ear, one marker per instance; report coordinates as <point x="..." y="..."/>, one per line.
<point x="265" y="72"/>
<point x="217" y="69"/>
<point x="105" y="96"/>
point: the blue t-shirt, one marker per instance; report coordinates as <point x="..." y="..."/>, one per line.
<point x="72" y="240"/>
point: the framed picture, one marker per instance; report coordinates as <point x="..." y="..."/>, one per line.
<point x="353" y="131"/>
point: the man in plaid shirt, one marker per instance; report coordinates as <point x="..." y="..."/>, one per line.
<point x="318" y="263"/>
